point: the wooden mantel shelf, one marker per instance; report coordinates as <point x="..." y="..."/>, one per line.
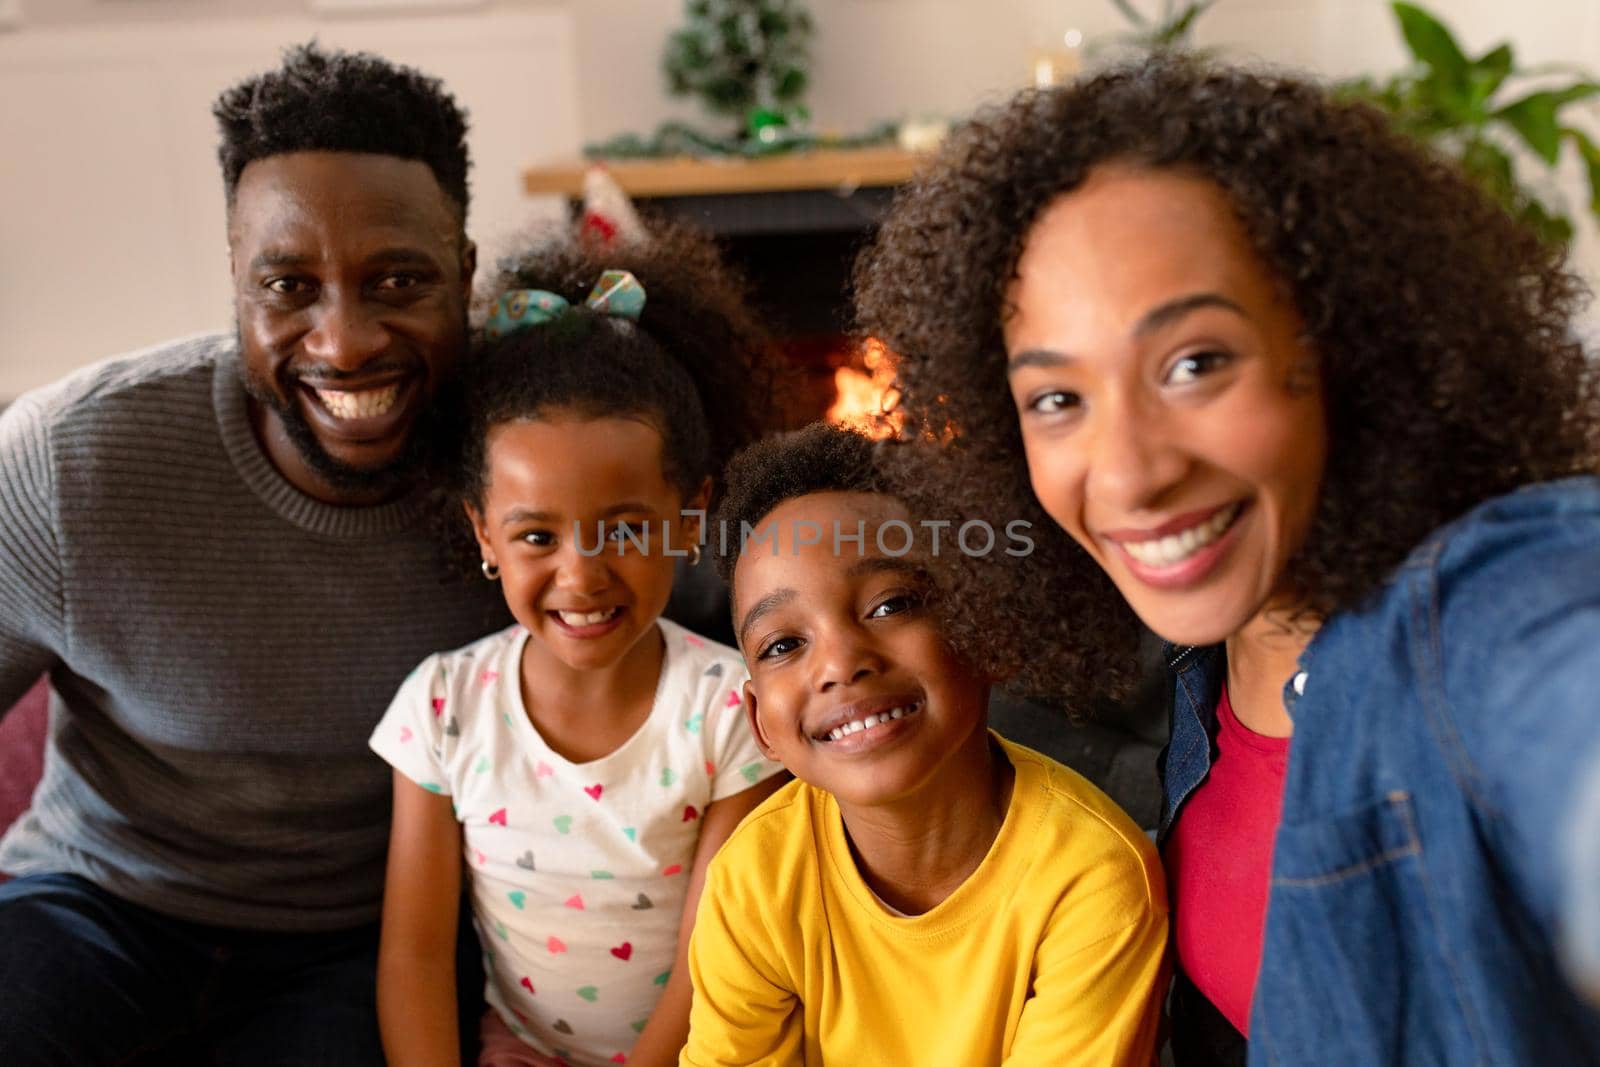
<point x="827" y="168"/>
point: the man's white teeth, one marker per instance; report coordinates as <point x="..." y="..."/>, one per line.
<point x="586" y="618"/>
<point x="1175" y="548"/>
<point x="367" y="404"/>
<point x="860" y="725"/>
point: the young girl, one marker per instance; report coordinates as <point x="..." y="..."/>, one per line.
<point x="1308" y="403"/>
<point x="584" y="765"/>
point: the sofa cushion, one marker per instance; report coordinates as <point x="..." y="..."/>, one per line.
<point x="22" y="734"/>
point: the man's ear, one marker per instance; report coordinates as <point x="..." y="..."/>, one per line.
<point x="469" y="268"/>
<point x="755" y="722"/>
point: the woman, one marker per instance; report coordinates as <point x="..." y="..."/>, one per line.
<point x="1308" y="403"/>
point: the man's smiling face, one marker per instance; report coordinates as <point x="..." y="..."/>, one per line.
<point x="351" y="281"/>
<point x="851" y="684"/>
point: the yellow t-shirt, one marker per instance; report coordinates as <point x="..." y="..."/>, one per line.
<point x="1053" y="952"/>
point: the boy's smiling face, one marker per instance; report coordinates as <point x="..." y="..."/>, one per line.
<point x="851" y="685"/>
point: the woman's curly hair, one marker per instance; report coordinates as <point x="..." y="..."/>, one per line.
<point x="695" y="365"/>
<point x="1450" y="372"/>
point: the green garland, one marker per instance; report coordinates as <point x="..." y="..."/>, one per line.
<point x="681" y="139"/>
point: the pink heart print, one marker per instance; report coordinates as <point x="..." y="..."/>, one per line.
<point x="623" y="951"/>
<point x="555" y="945"/>
<point x="499" y="817"/>
<point x="734" y="699"/>
<point x="543" y="770"/>
<point x="575" y="901"/>
<point x="594" y="790"/>
<point x="527" y="983"/>
<point x="438" y="706"/>
<point x="405" y="734"/>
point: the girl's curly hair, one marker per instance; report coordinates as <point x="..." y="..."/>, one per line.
<point x="1449" y="367"/>
<point x="694" y="366"/>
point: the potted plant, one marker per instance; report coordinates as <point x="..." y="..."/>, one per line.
<point x="1484" y="112"/>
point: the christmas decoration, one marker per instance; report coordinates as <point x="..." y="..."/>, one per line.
<point x="608" y="217"/>
<point x="746" y="59"/>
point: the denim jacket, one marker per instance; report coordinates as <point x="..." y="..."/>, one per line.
<point x="1435" y="894"/>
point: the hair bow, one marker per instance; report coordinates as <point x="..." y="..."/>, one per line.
<point x="617" y="292"/>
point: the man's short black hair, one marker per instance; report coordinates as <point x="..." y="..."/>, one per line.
<point x="343" y="102"/>
<point x="818" y="459"/>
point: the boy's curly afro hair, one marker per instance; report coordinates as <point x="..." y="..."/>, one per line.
<point x="1450" y="371"/>
<point x="817" y="459"/>
<point x="343" y="102"/>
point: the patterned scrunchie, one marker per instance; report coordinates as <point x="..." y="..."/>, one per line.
<point x="616" y="293"/>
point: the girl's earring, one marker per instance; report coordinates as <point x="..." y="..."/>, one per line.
<point x="694" y="555"/>
<point x="491" y="571"/>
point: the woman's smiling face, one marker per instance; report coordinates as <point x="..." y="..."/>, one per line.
<point x="1170" y="409"/>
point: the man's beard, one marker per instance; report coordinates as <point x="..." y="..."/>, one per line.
<point x="383" y="481"/>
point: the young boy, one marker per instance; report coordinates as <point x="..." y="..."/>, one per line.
<point x="926" y="892"/>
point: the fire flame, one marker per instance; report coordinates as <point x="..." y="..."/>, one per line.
<point x="866" y="399"/>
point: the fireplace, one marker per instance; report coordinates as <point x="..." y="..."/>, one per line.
<point x="796" y="249"/>
<point x="793" y="226"/>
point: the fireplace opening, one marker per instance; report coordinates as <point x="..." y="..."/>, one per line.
<point x="796" y="249"/>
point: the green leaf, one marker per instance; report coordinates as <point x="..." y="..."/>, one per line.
<point x="1131" y="13"/>
<point x="1178" y="29"/>
<point x="1432" y="43"/>
<point x="1575" y="92"/>
<point x="1552" y="227"/>
<point x="1534" y="117"/>
<point x="1489" y="72"/>
<point x="1491" y="166"/>
<point x="791" y="83"/>
<point x="1591" y="161"/>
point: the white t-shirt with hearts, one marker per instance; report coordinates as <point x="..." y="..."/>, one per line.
<point x="577" y="870"/>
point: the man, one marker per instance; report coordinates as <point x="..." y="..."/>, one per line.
<point x="216" y="549"/>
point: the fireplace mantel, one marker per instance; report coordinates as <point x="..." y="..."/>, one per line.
<point x="842" y="170"/>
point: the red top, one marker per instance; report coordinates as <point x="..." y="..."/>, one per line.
<point x="1219" y="863"/>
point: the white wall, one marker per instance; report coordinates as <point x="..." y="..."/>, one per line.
<point x="111" y="230"/>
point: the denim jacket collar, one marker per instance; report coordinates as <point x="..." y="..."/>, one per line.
<point x="1198" y="672"/>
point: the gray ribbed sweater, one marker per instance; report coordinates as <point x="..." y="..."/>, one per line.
<point x="219" y="645"/>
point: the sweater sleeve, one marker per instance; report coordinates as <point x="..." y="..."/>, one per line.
<point x="32" y="627"/>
